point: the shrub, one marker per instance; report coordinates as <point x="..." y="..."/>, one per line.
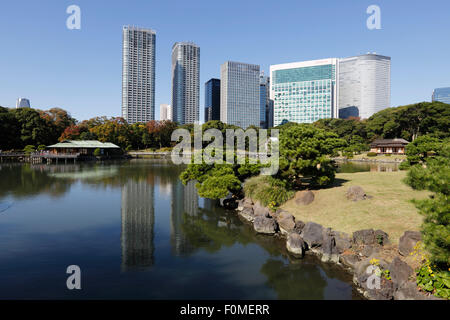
<point x="371" y="154"/>
<point x="404" y="165"/>
<point x="29" y="149"/>
<point x="267" y="190"/>
<point x="41" y="147"/>
<point x="387" y="154"/>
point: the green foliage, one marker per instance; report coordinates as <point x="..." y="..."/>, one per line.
<point x="41" y="147"/>
<point x="371" y="154"/>
<point x="423" y="147"/>
<point x="435" y="177"/>
<point x="216" y="187"/>
<point x="305" y="155"/>
<point x="97" y="152"/>
<point x="267" y="190"/>
<point x="29" y="149"/>
<point x="434" y="282"/>
<point x="404" y="165"/>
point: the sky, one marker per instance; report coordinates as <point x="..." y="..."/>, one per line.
<point x="81" y="70"/>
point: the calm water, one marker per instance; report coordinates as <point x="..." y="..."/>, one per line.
<point x="137" y="233"/>
<point x="352" y="167"/>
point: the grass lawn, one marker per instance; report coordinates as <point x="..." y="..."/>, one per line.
<point x="390" y="208"/>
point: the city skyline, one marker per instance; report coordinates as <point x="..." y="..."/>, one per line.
<point x="81" y="71"/>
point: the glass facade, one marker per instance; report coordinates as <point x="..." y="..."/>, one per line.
<point x="442" y="95"/>
<point x="303" y="94"/>
<point x="212" y="100"/>
<point x="239" y="94"/>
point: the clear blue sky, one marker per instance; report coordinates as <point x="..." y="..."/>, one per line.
<point x="80" y="70"/>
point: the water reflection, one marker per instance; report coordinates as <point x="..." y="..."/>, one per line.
<point x="352" y="167"/>
<point x="184" y="246"/>
<point x="138" y="219"/>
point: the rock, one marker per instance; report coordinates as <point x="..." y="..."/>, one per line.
<point x="247" y="214"/>
<point x="286" y="222"/>
<point x="248" y="202"/>
<point x="409" y="291"/>
<point x="367" y="251"/>
<point x="329" y="250"/>
<point x="299" y="225"/>
<point x="259" y="210"/>
<point x="265" y="225"/>
<point x="366" y="237"/>
<point x="295" y="244"/>
<point x="349" y="260"/>
<point x="356" y="193"/>
<point x="408" y="241"/>
<point x="365" y="277"/>
<point x="312" y="234"/>
<point x="304" y="197"/>
<point x="381" y="237"/>
<point x="240" y="205"/>
<point x="343" y="241"/>
<point x="228" y="197"/>
<point x="400" y="272"/>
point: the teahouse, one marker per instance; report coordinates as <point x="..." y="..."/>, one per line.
<point x="389" y="146"/>
<point x="83" y="147"/>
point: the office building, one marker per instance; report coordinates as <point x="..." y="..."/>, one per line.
<point x="138" y="74"/>
<point x="304" y="92"/>
<point x="239" y="94"/>
<point x="212" y="100"/>
<point x="185" y="82"/>
<point x="442" y="95"/>
<point x="165" y="112"/>
<point x="364" y="85"/>
<point x="23" y="103"/>
<point x="266" y="104"/>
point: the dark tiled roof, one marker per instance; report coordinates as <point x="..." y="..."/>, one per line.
<point x="389" y="143"/>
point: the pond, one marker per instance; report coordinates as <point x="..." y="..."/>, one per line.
<point x="137" y="233"/>
<point x="354" y="166"/>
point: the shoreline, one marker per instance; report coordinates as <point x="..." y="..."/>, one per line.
<point x="354" y="253"/>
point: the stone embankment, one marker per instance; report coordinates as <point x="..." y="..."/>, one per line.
<point x="378" y="266"/>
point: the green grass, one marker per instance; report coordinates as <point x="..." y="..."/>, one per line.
<point x="390" y="208"/>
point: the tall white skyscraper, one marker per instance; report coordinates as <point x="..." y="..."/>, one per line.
<point x="185" y="82"/>
<point x="138" y="74"/>
<point x="239" y="94"/>
<point x="364" y="85"/>
<point x="165" y="112"/>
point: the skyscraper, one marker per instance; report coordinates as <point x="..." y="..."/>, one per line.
<point x="165" y="112"/>
<point x="442" y="95"/>
<point x="212" y="100"/>
<point x="185" y="82"/>
<point x="266" y="104"/>
<point x="364" y="85"/>
<point x="23" y="103"/>
<point x="138" y="74"/>
<point x="239" y="94"/>
<point x="304" y="92"/>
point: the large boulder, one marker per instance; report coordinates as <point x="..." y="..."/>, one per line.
<point x="364" y="237"/>
<point x="400" y="272"/>
<point x="356" y="193"/>
<point x="410" y="291"/>
<point x="312" y="234"/>
<point x="375" y="287"/>
<point x="408" y="241"/>
<point x="260" y="210"/>
<point x="295" y="244"/>
<point x="265" y="225"/>
<point x="247" y="214"/>
<point x="304" y="197"/>
<point x="286" y="222"/>
<point x="349" y="260"/>
<point x="343" y="241"/>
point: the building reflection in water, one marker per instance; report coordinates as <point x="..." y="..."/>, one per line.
<point x="184" y="200"/>
<point x="138" y="219"/>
